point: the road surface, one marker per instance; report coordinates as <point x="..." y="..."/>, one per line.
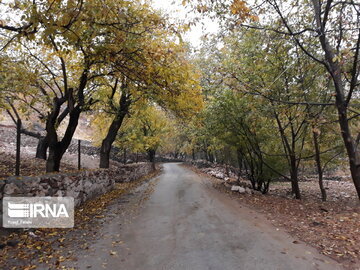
<point x="185" y="224"/>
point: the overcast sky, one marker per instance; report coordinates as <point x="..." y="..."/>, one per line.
<point x="178" y="12"/>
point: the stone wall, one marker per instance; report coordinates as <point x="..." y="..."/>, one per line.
<point x="82" y="185"/>
<point x="133" y="171"/>
<point x="203" y="164"/>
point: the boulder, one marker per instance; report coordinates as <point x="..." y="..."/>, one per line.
<point x="11" y="189"/>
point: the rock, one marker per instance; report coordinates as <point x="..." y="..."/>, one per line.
<point x="83" y="185"/>
<point x="238" y="189"/>
<point x="248" y="190"/>
<point x="72" y="193"/>
<point x="41" y="193"/>
<point x="33" y="235"/>
<point x="11" y="189"/>
<point x="59" y="193"/>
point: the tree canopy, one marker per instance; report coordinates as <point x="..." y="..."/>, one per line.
<point x="273" y="93"/>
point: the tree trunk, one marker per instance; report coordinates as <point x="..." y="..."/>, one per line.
<point x="206" y="154"/>
<point x="58" y="148"/>
<point x="211" y="157"/>
<point x="105" y="155"/>
<point x="109" y="139"/>
<point x="350" y="145"/>
<point x="342" y="100"/>
<point x="55" y="154"/>
<point x="318" y="165"/>
<point x="294" y="177"/>
<point x="352" y="152"/>
<point x="42" y="147"/>
<point x="289" y="150"/>
<point x="151" y="155"/>
<point x="240" y="161"/>
<point x="54" y="118"/>
<point x="122" y="111"/>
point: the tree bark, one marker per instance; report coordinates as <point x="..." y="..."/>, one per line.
<point x="18" y="147"/>
<point x="151" y="155"/>
<point x="342" y="101"/>
<point x="240" y="161"/>
<point x="42" y="147"/>
<point x="351" y="149"/>
<point x="58" y="148"/>
<point x="54" y="159"/>
<point x="211" y="157"/>
<point x="294" y="177"/>
<point x="107" y="142"/>
<point x="318" y="165"/>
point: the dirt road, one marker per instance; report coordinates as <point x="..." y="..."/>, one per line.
<point x="186" y="224"/>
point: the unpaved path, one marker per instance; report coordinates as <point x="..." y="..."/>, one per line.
<point x="187" y="225"/>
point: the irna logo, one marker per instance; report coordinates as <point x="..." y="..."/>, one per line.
<point x="38" y="212"/>
<point x="33" y="210"/>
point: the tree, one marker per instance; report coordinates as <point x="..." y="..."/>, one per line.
<point x="120" y="111"/>
<point x="145" y="130"/>
<point x="75" y="45"/>
<point x="21" y="87"/>
<point x="161" y="73"/>
<point x="285" y="89"/>
<point x="329" y="33"/>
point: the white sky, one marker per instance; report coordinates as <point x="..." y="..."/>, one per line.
<point x="177" y="11"/>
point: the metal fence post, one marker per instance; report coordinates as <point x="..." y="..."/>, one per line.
<point x="79" y="154"/>
<point x="18" y="141"/>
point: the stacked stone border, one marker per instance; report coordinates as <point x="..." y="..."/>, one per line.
<point x="81" y="185"/>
